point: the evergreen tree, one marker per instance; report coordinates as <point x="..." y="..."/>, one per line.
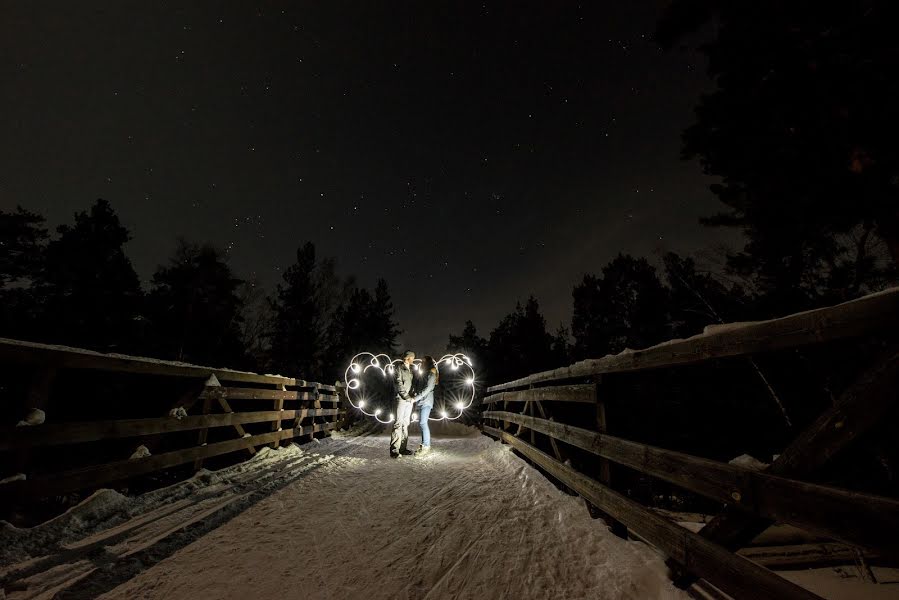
<point x="195" y="310"/>
<point x="561" y="348"/>
<point x="91" y="296"/>
<point x="365" y="322"/>
<point x="384" y="329"/>
<point x="697" y="299"/>
<point x="298" y="326"/>
<point x="22" y="237"/>
<point x="469" y="343"/>
<point x="801" y="129"/>
<point x="626" y="308"/>
<point x="520" y="344"/>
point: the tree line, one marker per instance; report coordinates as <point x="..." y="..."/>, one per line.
<point x="80" y="289"/>
<point x="799" y="130"/>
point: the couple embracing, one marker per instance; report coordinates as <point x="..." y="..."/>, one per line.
<point x="405" y="399"/>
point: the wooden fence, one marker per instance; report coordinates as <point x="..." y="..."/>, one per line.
<point x="864" y="524"/>
<point x="197" y="413"/>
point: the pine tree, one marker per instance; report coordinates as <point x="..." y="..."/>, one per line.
<point x="520" y="344"/>
<point x="22" y="245"/>
<point x="697" y="299"/>
<point x="801" y="131"/>
<point x="469" y="343"/>
<point x="626" y="308"/>
<point x="364" y="323"/>
<point x="91" y="295"/>
<point x="297" y="329"/>
<point x="195" y="310"/>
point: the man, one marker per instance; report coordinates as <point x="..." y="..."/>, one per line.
<point x="402" y="380"/>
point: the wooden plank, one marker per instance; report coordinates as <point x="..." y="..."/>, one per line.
<point x="276" y="423"/>
<point x="241" y="432"/>
<point x="552" y="440"/>
<point x="853" y="517"/>
<point x="65" y="357"/>
<point x="733" y="574"/>
<point x="58" y="434"/>
<point x="804" y="555"/>
<point x="859" y="408"/>
<point x="584" y="393"/>
<point x="316" y="403"/>
<point x="530" y="407"/>
<point x="603" y="471"/>
<point x="870" y="314"/>
<point x="90" y="477"/>
<point x="241" y="393"/>
<point x="204" y="432"/>
<point x="37" y="397"/>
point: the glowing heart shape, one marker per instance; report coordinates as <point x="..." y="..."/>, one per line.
<point x="362" y="380"/>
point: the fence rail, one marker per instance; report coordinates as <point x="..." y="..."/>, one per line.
<point x="227" y="411"/>
<point x="850" y="319"/>
<point x="864" y="524"/>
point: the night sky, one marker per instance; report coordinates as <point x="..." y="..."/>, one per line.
<point x="470" y="153"/>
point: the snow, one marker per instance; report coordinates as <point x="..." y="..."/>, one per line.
<point x="710" y="332"/>
<point x="340" y="519"/>
<point x="844" y="583"/>
<point x="748" y="462"/>
<point x="133" y="359"/>
<point x="140" y="452"/>
<point x="16" y="477"/>
<point x="34" y="417"/>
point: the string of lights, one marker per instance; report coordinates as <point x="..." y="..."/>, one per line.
<point x="459" y="364"/>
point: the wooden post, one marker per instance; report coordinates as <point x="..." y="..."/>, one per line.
<point x="223" y="402"/>
<point x="276" y="424"/>
<point x="552" y="440"/>
<point x="859" y="408"/>
<point x="505" y="408"/>
<point x="38" y="396"/>
<point x="603" y="474"/>
<point x="316" y="403"/>
<point x="201" y="437"/>
<point x="530" y="406"/>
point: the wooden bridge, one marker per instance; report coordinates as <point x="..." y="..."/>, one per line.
<point x="336" y="518"/>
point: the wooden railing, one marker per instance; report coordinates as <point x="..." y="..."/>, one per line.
<point x="865" y="524"/>
<point x="188" y="414"/>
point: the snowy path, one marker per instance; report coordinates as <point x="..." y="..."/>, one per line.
<point x="342" y="520"/>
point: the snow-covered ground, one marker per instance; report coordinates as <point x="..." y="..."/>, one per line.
<point x="340" y="519"/>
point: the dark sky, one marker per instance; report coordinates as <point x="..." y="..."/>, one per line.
<point x="470" y="153"/>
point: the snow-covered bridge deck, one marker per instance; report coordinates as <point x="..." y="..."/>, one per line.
<point x="340" y="519"/>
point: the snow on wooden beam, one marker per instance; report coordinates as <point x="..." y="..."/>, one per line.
<point x="734" y="574"/>
<point x="66" y="357"/>
<point x="862" y="316"/>
<point x="95" y="476"/>
<point x="874" y="519"/>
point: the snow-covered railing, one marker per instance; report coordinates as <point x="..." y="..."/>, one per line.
<point x="864" y="524"/>
<point x="117" y="417"/>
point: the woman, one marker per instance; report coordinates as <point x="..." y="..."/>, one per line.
<point x="425" y="400"/>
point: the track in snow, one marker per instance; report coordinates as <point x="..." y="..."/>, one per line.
<point x="470" y="520"/>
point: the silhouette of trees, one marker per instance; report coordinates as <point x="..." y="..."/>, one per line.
<point x="302" y="310"/>
<point x="194" y="308"/>
<point x="520" y="344"/>
<point x="364" y="322"/>
<point x="22" y="244"/>
<point x="469" y="343"/>
<point x="625" y="308"/>
<point x="801" y="129"/>
<point x="90" y="294"/>
<point x="697" y="299"/>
